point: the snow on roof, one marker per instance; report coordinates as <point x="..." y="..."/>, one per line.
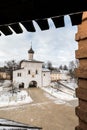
<point x="33" y="61"/>
<point x="64" y="71"/>
<point x="45" y="70"/>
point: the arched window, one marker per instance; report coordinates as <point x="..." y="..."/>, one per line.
<point x="28" y="71"/>
<point x="44" y="74"/>
<point x="36" y="72"/>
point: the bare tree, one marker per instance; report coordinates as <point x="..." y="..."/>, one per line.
<point x="65" y="67"/>
<point x="43" y="65"/>
<point x="72" y="66"/>
<point x="11" y="65"/>
<point x="49" y="65"/>
<point x="60" y="67"/>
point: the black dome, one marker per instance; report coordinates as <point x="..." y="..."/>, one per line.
<point x="31" y="50"/>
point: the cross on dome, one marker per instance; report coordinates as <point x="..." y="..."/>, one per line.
<point x="31" y="50"/>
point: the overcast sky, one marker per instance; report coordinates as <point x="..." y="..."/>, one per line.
<point x="57" y="45"/>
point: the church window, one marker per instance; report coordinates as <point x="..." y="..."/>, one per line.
<point x="19" y="74"/>
<point x="44" y="74"/>
<point x="28" y="71"/>
<point x="36" y="72"/>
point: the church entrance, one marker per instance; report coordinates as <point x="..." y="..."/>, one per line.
<point x="33" y="84"/>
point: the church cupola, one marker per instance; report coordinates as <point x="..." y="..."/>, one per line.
<point x="31" y="53"/>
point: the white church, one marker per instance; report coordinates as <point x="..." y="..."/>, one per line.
<point x="31" y="73"/>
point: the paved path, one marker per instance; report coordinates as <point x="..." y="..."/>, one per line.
<point x="43" y="112"/>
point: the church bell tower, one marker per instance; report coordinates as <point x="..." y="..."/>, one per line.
<point x="30" y="53"/>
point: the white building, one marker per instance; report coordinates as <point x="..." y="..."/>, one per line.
<point x="62" y="75"/>
<point x="31" y="73"/>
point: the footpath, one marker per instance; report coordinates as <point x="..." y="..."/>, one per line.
<point x="43" y="111"/>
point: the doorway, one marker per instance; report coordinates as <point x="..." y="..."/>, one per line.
<point x="33" y="84"/>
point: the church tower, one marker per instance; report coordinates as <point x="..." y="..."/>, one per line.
<point x="31" y="53"/>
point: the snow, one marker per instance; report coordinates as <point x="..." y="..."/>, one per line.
<point x="19" y="98"/>
<point x="58" y="94"/>
<point x="14" y="128"/>
<point x="6" y="124"/>
<point x="10" y="95"/>
<point x="45" y="70"/>
<point x="70" y="84"/>
<point x="62" y="94"/>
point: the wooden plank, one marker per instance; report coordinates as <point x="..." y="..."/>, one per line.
<point x="81" y="73"/>
<point x="58" y="21"/>
<point x="81" y="36"/>
<point x="82" y="44"/>
<point x="29" y="26"/>
<point x="82" y="53"/>
<point x="6" y="30"/>
<point x="83" y="63"/>
<point x="22" y="10"/>
<point x="82" y="83"/>
<point x="83" y="124"/>
<point x="83" y="104"/>
<point x="82" y="115"/>
<point x="81" y="93"/>
<point x="17" y="28"/>
<point x="43" y="24"/>
<point x="78" y="128"/>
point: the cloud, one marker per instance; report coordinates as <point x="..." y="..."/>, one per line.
<point x="57" y="45"/>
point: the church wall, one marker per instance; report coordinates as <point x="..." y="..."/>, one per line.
<point x="27" y="77"/>
<point x="33" y="67"/>
<point x="17" y="78"/>
<point x="46" y="78"/>
<point x="23" y="64"/>
<point x="31" y="71"/>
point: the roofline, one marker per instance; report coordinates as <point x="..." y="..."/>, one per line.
<point x="33" y="61"/>
<point x="46" y="71"/>
<point x="14" y="12"/>
<point x="18" y="69"/>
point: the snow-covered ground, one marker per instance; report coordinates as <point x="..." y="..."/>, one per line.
<point x="6" y="124"/>
<point x="19" y="98"/>
<point x="58" y="94"/>
<point x="12" y="97"/>
<point x="70" y="84"/>
<point x="62" y="94"/>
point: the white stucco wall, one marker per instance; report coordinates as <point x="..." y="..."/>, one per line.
<point x="46" y="78"/>
<point x="16" y="78"/>
<point x="27" y="78"/>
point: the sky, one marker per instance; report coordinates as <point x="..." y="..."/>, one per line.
<point x="57" y="45"/>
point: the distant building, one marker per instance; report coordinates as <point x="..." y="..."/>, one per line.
<point x="4" y="75"/>
<point x="31" y="73"/>
<point x="56" y="76"/>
